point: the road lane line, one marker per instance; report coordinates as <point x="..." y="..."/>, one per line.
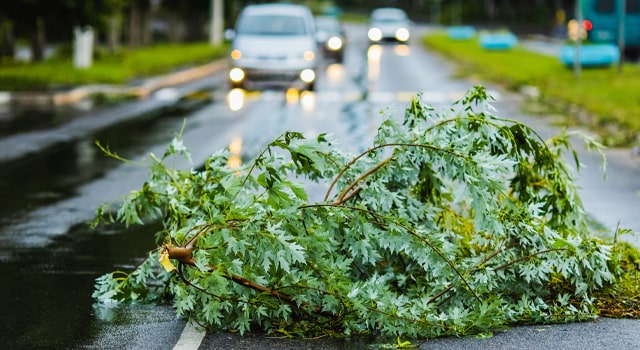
<point x="191" y="337"/>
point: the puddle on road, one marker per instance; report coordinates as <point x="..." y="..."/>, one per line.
<point x="15" y="119"/>
<point x="47" y="291"/>
<point x="54" y="174"/>
<point x="18" y="120"/>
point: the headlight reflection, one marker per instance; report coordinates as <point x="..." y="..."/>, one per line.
<point x="235" y="148"/>
<point x="235" y="99"/>
<point x="401" y="50"/>
<point x="335" y="72"/>
<point x="373" y="57"/>
<point x="292" y="96"/>
<point x="308" y="100"/>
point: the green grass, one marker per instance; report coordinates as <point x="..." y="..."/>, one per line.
<point x="611" y="99"/>
<point x="107" y="69"/>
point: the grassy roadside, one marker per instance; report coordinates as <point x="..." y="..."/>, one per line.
<point x="602" y="99"/>
<point x="121" y="68"/>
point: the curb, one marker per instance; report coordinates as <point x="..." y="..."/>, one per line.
<point x="43" y="98"/>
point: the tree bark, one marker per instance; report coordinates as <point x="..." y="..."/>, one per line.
<point x="113" y="32"/>
<point x="38" y="40"/>
<point x="135" y="36"/>
<point x="491" y="9"/>
<point x="145" y="28"/>
<point x="7" y="41"/>
<point x="175" y="29"/>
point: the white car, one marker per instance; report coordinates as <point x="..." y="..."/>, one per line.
<point x="274" y="45"/>
<point x="389" y="24"/>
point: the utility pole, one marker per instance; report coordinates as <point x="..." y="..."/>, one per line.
<point x="456" y="12"/>
<point x="577" y="63"/>
<point x="435" y="12"/>
<point x="621" y="23"/>
<point x="217" y="18"/>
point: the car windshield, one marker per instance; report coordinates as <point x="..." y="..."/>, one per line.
<point x="272" y="25"/>
<point x="388" y="16"/>
<point x="326" y="25"/>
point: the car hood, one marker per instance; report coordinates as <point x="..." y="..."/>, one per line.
<point x="390" y="25"/>
<point x="273" y="46"/>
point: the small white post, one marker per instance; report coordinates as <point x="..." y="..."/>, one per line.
<point x="83" y="47"/>
<point x="621" y="23"/>
<point x="577" y="61"/>
<point x="215" y="33"/>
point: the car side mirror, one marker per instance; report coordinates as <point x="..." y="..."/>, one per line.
<point x="229" y="34"/>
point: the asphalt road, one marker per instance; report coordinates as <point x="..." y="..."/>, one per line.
<point x="612" y="201"/>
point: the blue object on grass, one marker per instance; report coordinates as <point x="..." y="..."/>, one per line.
<point x="498" y="41"/>
<point x="591" y="55"/>
<point x="461" y="32"/>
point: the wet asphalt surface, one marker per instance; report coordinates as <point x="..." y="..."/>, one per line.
<point x="36" y="272"/>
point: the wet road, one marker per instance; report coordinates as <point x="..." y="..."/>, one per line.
<point x="50" y="258"/>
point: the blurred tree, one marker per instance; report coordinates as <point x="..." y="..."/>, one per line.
<point x="7" y="41"/>
<point x="104" y="16"/>
<point x="138" y="22"/>
<point x="39" y="20"/>
<point x="27" y="19"/>
<point x="524" y="15"/>
<point x="187" y="20"/>
<point x="486" y="12"/>
<point x="113" y="18"/>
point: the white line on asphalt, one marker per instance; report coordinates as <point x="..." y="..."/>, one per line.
<point x="191" y="337"/>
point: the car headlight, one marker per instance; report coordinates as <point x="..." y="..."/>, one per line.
<point x="236" y="75"/>
<point x="402" y="34"/>
<point x="236" y="54"/>
<point x="309" y="55"/>
<point x="374" y="34"/>
<point x="307" y="75"/>
<point x="334" y="43"/>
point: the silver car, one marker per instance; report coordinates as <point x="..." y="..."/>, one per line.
<point x="274" y="45"/>
<point x="389" y="24"/>
<point x="331" y="37"/>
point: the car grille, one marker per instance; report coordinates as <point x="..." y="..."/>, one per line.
<point x="272" y="58"/>
<point x="264" y="75"/>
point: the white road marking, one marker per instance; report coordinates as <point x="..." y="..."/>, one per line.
<point x="191" y="337"/>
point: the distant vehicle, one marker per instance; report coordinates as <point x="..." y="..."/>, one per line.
<point x="274" y="45"/>
<point x="602" y="22"/>
<point x="389" y="24"/>
<point x="331" y="37"/>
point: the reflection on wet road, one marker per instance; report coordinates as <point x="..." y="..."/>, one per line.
<point x="47" y="290"/>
